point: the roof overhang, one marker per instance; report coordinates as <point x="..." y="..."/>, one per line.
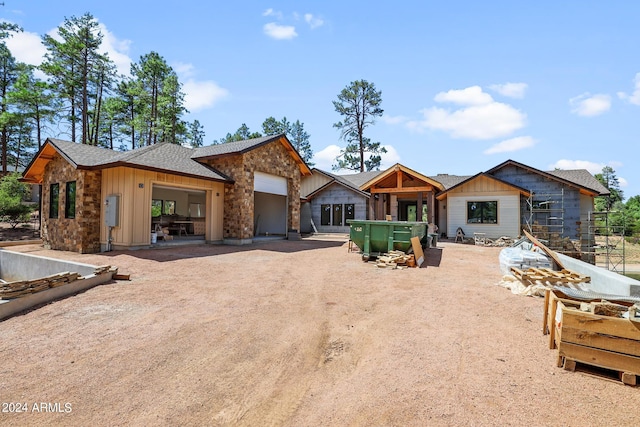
<point x="34" y="172"/>
<point x="399" y="173"/>
<point x="523" y="191"/>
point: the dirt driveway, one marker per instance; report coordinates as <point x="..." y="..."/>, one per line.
<point x="295" y="334"/>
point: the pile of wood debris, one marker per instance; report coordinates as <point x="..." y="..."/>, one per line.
<point x="396" y="260"/>
<point x="503" y="241"/>
<point x="20" y="288"/>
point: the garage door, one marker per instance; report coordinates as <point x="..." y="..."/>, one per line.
<point x="267" y="183"/>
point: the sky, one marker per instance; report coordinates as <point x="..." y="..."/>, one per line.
<point x="465" y="85"/>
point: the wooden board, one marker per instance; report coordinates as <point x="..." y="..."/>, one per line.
<point x="601" y="358"/>
<point x="417" y="250"/>
<point x="546" y="250"/>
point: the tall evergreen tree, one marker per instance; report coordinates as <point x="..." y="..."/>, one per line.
<point x="196" y="134"/>
<point x="8" y="75"/>
<point x="159" y="100"/>
<point x="359" y="105"/>
<point x="33" y="98"/>
<point x="300" y="140"/>
<point x="78" y="73"/>
<point x="609" y="179"/>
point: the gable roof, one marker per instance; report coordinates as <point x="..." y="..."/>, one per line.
<point x="357" y="179"/>
<point x="522" y="191"/>
<point x="335" y="179"/>
<point x="163" y="157"/>
<point x="241" y="147"/>
<point x="398" y="167"/>
<point x="580" y="178"/>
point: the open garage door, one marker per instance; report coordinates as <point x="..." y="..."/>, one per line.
<point x="270" y="205"/>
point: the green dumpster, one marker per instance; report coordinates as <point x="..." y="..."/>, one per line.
<point x="378" y="237"/>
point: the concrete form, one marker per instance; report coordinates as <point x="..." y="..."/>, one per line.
<point x="18" y="266"/>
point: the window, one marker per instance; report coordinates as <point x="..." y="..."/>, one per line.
<point x="169" y="207"/>
<point x="349" y="211"/>
<point x="54" y="200"/>
<point x="482" y="212"/>
<point x="163" y="207"/>
<point x="70" y="200"/>
<point x="337" y="215"/>
<point x="156" y="207"/>
<point x="325" y="214"/>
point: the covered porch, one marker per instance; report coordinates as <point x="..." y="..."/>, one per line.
<point x="403" y="195"/>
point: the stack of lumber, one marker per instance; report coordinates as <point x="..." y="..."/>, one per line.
<point x="564" y="277"/>
<point x="395" y="259"/>
<point x="21" y="288"/>
<point x="599" y="334"/>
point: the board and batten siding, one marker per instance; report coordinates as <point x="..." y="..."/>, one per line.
<point x="508" y="214"/>
<point x="134" y="188"/>
<point x="309" y="184"/>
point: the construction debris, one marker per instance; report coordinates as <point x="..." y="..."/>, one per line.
<point x="563" y="277"/>
<point x="395" y="259"/>
<point x="596" y="334"/>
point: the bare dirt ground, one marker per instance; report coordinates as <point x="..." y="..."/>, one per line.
<point x="296" y="334"/>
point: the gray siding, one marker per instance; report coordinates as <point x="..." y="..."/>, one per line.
<point x="337" y="194"/>
<point x="562" y="197"/>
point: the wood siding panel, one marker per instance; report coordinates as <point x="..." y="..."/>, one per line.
<point x="135" y="186"/>
<point x="508" y="215"/>
<point x="309" y="184"/>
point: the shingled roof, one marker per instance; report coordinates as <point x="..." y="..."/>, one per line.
<point x="583" y="178"/>
<point x="241" y="147"/>
<point x="163" y="157"/>
<point x="233" y="147"/>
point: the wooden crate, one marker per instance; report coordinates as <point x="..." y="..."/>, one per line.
<point x="601" y="341"/>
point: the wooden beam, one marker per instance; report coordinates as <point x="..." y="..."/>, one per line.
<point x="546" y="250"/>
<point x="401" y="190"/>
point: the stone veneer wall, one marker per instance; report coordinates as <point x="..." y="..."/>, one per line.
<point x="271" y="158"/>
<point x="79" y="234"/>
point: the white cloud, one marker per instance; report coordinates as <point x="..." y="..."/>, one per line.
<point x="117" y="49"/>
<point x="469" y="96"/>
<point x="183" y="69"/>
<point x="280" y="32"/>
<point x="511" y="90"/>
<point x="479" y="118"/>
<point x="634" y="98"/>
<point x="271" y="12"/>
<point x="390" y="158"/>
<point x="566" y="164"/>
<point x="513" y="144"/>
<point x="394" y="120"/>
<point x="588" y="105"/>
<point x="326" y="157"/>
<point x="200" y="95"/>
<point x="314" y="22"/>
<point x="493" y="120"/>
<point x="27" y="47"/>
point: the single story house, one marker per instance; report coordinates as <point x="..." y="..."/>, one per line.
<point x="96" y="199"/>
<point x="499" y="202"/>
